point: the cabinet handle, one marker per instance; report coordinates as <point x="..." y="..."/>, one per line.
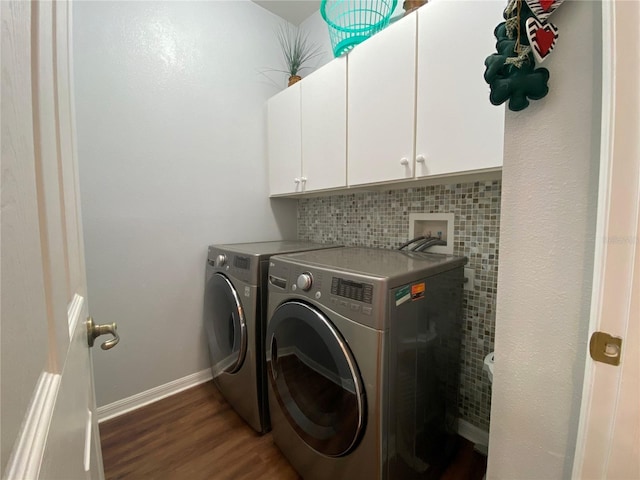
<point x="404" y="161"/>
<point x="421" y="159"/>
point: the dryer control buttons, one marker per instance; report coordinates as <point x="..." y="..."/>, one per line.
<point x="304" y="282"/>
<point x="221" y="260"/>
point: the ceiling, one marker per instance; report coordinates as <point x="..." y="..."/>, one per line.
<point x="294" y="11"/>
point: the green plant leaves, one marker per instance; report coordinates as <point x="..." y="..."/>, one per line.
<point x="296" y="48"/>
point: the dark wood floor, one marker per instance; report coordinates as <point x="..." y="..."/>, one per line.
<point x="195" y="435"/>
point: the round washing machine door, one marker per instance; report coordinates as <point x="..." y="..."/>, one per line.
<point x="225" y="325"/>
<point x="315" y="379"/>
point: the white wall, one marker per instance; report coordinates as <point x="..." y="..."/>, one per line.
<point x="318" y="31"/>
<point x="171" y="137"/>
<point x="549" y="194"/>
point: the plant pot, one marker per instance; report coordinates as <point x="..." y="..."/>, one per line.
<point x="410" y="5"/>
<point x="294" y="79"/>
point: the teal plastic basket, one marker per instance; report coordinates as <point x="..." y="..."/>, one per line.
<point x="353" y="21"/>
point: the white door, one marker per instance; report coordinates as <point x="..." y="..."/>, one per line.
<point x="284" y="142"/>
<point x="457" y="128"/>
<point x="49" y="425"/>
<point x="324" y="127"/>
<point x="380" y="105"/>
<point x="608" y="444"/>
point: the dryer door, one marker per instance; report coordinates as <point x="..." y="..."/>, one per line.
<point x="225" y="325"/>
<point x="315" y="379"/>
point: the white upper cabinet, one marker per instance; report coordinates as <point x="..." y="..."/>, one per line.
<point x="381" y="103"/>
<point x="457" y="129"/>
<point x="410" y="102"/>
<point x="284" y="141"/>
<point x="324" y="127"/>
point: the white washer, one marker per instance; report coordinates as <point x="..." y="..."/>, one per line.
<point x="363" y="362"/>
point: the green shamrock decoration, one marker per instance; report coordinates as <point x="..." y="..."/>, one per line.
<point x="511" y="72"/>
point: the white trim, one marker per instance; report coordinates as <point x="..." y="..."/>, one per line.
<point x="73" y="313"/>
<point x="87" y="441"/>
<point x="129" y="404"/>
<point x="603" y="427"/>
<point x="600" y="250"/>
<point x="473" y="433"/>
<point x="26" y="457"/>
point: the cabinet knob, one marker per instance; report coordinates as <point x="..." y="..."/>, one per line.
<point x="404" y="161"/>
<point x="296" y="180"/>
<point x="421" y="159"/>
<point x="303" y="179"/>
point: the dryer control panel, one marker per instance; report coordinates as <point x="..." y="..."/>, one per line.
<point x="353" y="296"/>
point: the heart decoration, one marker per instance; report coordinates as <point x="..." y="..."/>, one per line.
<point x="543" y="8"/>
<point x="542" y="38"/>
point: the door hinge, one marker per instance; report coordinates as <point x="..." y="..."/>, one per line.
<point x="605" y="348"/>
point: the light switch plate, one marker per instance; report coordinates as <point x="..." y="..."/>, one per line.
<point x="470" y="277"/>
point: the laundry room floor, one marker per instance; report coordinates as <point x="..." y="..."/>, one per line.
<point x="195" y="435"/>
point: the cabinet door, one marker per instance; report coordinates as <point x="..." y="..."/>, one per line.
<point x="457" y="129"/>
<point x="381" y="102"/>
<point x="283" y="139"/>
<point x="324" y="127"/>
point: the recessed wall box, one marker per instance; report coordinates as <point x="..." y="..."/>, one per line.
<point x="439" y="225"/>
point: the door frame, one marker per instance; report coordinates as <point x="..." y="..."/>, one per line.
<point x="617" y="250"/>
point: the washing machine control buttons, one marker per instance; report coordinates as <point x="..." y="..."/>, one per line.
<point x="304" y="282"/>
<point x="221" y="260"/>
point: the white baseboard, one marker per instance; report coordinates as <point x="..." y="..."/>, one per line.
<point x="126" y="405"/>
<point x="473" y="433"/>
<point x="26" y="457"/>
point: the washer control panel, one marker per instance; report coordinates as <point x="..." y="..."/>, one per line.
<point x="233" y="264"/>
<point x="352" y="296"/>
<point x="361" y="292"/>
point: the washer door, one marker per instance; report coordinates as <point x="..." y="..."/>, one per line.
<point x="315" y="379"/>
<point x="225" y="325"/>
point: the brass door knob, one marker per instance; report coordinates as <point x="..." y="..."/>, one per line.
<point x="94" y="331"/>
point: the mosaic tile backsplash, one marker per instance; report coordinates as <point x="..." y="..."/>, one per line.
<point x="381" y="220"/>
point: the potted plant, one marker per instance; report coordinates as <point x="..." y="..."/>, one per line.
<point x="410" y="5"/>
<point x="297" y="50"/>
